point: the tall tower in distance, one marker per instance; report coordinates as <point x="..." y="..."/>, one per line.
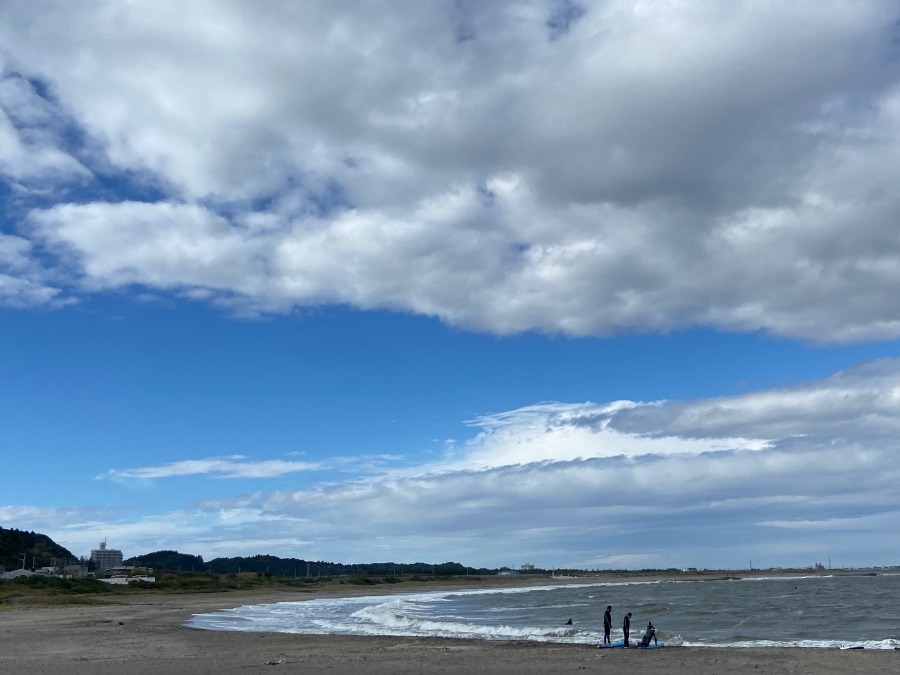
<point x="104" y="558"/>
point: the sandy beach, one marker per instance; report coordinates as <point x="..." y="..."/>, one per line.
<point x="135" y="634"/>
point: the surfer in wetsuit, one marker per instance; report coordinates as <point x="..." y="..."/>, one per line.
<point x="607" y="624"/>
<point x="626" y="628"/>
<point x="650" y="634"/>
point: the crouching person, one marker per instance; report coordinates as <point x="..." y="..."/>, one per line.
<point x="649" y="634"/>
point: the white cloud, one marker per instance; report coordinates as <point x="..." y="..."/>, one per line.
<point x="239" y="466"/>
<point x="30" y="134"/>
<point x="235" y="466"/>
<point x="162" y="245"/>
<point x="23" y="283"/>
<point x="641" y="166"/>
<point x="858" y="403"/>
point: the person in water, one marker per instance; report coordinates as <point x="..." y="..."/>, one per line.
<point x="626" y="628"/>
<point x="607" y="624"/>
<point x="649" y="634"/>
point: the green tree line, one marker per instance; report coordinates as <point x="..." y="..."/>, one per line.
<point x="294" y="567"/>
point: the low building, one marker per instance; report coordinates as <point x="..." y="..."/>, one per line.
<point x="120" y="580"/>
<point x="75" y="571"/>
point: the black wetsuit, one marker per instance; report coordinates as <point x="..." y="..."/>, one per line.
<point x="626" y="628"/>
<point x="607" y="626"/>
<point x="649" y="635"/>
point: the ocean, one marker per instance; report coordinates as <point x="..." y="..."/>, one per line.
<point x="814" y="611"/>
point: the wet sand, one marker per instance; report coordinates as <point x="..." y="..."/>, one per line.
<point x="146" y="634"/>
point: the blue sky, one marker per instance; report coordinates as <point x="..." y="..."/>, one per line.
<point x="599" y="284"/>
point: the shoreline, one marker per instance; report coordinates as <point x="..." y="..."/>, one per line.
<point x="144" y="633"/>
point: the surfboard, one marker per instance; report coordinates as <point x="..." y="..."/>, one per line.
<point x="633" y="645"/>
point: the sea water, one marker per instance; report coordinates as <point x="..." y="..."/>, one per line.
<point x="814" y="611"/>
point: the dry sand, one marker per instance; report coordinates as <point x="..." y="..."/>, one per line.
<point x="146" y="634"/>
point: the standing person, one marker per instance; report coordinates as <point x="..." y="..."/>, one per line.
<point x="626" y="628"/>
<point x="607" y="624"/>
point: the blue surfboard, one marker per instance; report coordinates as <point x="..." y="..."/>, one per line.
<point x="633" y="645"/>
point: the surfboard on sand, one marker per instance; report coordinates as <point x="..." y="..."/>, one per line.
<point x="633" y="645"/>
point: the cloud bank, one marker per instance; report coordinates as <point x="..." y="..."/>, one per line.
<point x="582" y="169"/>
<point x="779" y="477"/>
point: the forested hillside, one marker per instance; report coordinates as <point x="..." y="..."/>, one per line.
<point x="39" y="550"/>
<point x="168" y="560"/>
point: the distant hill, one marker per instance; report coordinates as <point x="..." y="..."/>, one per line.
<point x="168" y="560"/>
<point x="39" y="550"/>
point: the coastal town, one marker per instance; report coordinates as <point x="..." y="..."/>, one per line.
<point x="104" y="564"/>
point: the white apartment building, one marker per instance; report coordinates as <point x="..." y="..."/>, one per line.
<point x="104" y="558"/>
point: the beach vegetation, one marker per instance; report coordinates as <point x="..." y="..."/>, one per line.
<point x="57" y="585"/>
<point x="303" y="581"/>
<point x="364" y="580"/>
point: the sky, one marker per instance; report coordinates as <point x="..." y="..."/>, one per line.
<point x="601" y="284"/>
